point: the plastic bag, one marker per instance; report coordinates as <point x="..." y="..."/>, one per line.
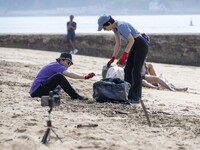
<point x="115" y="72"/>
<point x="111" y="90"/>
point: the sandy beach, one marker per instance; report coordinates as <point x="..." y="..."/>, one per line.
<point x="88" y="125"/>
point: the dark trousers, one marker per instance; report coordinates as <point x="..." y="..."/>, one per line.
<point x="51" y="83"/>
<point x="133" y="67"/>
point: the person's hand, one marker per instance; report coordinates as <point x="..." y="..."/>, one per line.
<point x="122" y="58"/>
<point x="119" y="65"/>
<point x="90" y="75"/>
<point x="111" y="61"/>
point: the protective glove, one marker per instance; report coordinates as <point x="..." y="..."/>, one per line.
<point x="122" y="58"/>
<point x="111" y="61"/>
<point x="90" y="75"/>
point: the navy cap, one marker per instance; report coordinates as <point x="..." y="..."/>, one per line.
<point x="102" y="20"/>
<point x="65" y="56"/>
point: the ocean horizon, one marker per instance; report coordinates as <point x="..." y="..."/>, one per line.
<point x="158" y="24"/>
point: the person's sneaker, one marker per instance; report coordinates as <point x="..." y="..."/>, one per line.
<point x="82" y="98"/>
<point x="56" y="91"/>
<point x="73" y="51"/>
<point x="132" y="101"/>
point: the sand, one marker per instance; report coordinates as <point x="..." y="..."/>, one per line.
<point x="175" y="116"/>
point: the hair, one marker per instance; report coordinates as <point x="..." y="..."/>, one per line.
<point x="58" y="60"/>
<point x="110" y="21"/>
<point x="71" y="16"/>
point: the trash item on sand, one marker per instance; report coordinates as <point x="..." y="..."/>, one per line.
<point x="86" y="125"/>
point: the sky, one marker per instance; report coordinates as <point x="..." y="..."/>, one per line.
<point x="96" y="7"/>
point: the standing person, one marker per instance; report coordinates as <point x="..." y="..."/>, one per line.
<point x="53" y="75"/>
<point x="136" y="49"/>
<point x="71" y="27"/>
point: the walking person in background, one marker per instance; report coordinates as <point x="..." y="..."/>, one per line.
<point x="136" y="50"/>
<point x="53" y="75"/>
<point x="71" y="27"/>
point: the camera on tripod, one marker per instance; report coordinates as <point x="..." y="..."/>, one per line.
<point x="50" y="100"/>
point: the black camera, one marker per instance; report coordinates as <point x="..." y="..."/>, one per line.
<point x="51" y="100"/>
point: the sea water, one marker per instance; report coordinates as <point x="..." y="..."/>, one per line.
<point x="88" y="24"/>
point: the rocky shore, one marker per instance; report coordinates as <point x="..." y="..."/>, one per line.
<point x="180" y="49"/>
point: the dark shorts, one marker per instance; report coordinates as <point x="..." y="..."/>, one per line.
<point x="70" y="37"/>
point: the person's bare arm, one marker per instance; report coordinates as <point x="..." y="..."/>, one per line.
<point x="127" y="49"/>
<point x="151" y="69"/>
<point x="117" y="45"/>
<point x="74" y="28"/>
<point x="73" y="75"/>
<point x="131" y="41"/>
<point x="69" y="26"/>
<point x="77" y="76"/>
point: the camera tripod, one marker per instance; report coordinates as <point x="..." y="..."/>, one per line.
<point x="47" y="132"/>
<point x="49" y="124"/>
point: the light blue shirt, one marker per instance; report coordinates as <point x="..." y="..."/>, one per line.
<point x="124" y="29"/>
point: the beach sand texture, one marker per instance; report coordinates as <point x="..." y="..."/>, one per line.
<point x="175" y="116"/>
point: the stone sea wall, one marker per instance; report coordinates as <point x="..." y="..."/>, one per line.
<point x="181" y="49"/>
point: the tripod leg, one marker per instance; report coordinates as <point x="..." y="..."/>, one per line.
<point x="44" y="139"/>
<point x="56" y="135"/>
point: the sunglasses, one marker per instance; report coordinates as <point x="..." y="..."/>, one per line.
<point x="69" y="63"/>
<point x="106" y="24"/>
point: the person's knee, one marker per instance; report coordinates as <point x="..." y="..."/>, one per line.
<point x="60" y="75"/>
<point x="150" y="65"/>
<point x="151" y="69"/>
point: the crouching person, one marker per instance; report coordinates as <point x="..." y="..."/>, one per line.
<point x="53" y="75"/>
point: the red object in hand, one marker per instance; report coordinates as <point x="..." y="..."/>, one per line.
<point x="111" y="61"/>
<point x="90" y="75"/>
<point x="122" y="58"/>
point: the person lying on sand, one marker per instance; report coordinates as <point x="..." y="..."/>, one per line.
<point x="53" y="75"/>
<point x="149" y="77"/>
<point x="151" y="80"/>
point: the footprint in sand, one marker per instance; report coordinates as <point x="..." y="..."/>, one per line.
<point x="30" y="124"/>
<point x="23" y="137"/>
<point x="20" y="130"/>
<point x="15" y="115"/>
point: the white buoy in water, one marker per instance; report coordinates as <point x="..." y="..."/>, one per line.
<point x="191" y="23"/>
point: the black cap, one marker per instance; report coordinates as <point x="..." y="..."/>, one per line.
<point x="65" y="56"/>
